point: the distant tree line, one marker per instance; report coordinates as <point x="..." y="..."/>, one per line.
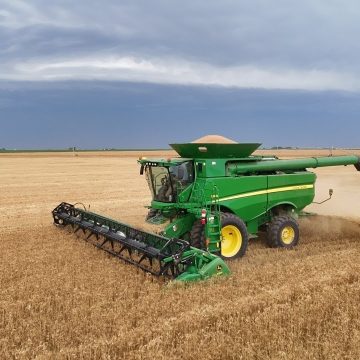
<point x="283" y="148"/>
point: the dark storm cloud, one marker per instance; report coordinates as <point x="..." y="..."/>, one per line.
<point x="244" y="44"/>
<point x="125" y="115"/>
<point x="145" y="73"/>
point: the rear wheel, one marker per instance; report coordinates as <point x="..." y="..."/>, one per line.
<point x="234" y="236"/>
<point x="283" y="232"/>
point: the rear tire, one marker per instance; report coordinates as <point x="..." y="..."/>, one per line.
<point x="234" y="236"/>
<point x="283" y="232"/>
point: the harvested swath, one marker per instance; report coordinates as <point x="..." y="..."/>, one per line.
<point x="61" y="298"/>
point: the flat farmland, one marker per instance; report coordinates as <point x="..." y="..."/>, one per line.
<point x="61" y="298"/>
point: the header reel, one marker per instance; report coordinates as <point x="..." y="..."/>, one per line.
<point x="160" y="256"/>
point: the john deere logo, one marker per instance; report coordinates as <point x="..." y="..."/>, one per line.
<point x="219" y="268"/>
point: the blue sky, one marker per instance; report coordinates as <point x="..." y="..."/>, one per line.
<point x="144" y="74"/>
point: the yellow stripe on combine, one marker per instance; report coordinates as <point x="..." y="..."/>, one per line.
<point x="268" y="191"/>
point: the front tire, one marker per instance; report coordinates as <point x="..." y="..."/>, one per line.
<point x="234" y="236"/>
<point x="283" y="232"/>
<point x="197" y="235"/>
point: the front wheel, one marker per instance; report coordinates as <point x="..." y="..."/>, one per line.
<point x="234" y="236"/>
<point x="283" y="232"/>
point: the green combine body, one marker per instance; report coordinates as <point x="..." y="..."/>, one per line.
<point x="211" y="199"/>
<point x="216" y="196"/>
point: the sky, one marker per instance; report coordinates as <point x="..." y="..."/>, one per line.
<point x="142" y="74"/>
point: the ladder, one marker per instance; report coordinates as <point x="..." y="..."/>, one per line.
<point x="213" y="228"/>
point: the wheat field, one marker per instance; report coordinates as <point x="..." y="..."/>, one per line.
<point x="63" y="299"/>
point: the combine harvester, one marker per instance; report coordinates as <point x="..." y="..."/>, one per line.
<point x="212" y="199"/>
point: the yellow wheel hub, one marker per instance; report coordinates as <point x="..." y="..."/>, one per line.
<point x="288" y="235"/>
<point x="231" y="241"/>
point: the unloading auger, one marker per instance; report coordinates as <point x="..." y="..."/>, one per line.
<point x="158" y="255"/>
